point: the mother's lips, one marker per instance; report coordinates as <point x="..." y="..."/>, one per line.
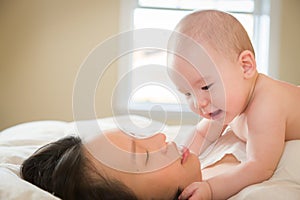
<point x="185" y="154"/>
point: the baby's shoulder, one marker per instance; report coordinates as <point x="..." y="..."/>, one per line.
<point x="274" y="97"/>
<point x="269" y="90"/>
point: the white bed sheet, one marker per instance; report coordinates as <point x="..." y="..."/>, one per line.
<point x="19" y="142"/>
<point x="285" y="182"/>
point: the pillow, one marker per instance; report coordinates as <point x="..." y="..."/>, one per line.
<point x="12" y="187"/>
<point x="16" y="144"/>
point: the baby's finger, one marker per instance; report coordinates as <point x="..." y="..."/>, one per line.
<point x="197" y="196"/>
<point x="188" y="191"/>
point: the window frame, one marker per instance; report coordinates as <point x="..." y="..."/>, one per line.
<point x="261" y="7"/>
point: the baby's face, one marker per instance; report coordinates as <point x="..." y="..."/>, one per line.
<point x="203" y="90"/>
<point x="213" y="83"/>
<point x="211" y="87"/>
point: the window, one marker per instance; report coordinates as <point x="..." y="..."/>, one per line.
<point x="165" y="14"/>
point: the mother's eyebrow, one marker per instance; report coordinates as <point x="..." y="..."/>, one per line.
<point x="133" y="149"/>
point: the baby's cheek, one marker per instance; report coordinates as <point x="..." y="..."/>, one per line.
<point x="191" y="104"/>
<point x="193" y="107"/>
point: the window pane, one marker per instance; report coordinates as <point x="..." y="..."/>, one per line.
<point x="247" y="21"/>
<point x="152" y="93"/>
<point x="226" y="5"/>
<point x="164" y="19"/>
<point x="154" y="18"/>
<point x="149" y="57"/>
<point x="159" y="88"/>
<point x="159" y="4"/>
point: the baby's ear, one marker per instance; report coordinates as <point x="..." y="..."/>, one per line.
<point x="247" y="63"/>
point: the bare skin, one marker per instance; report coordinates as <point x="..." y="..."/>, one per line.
<point x="223" y="165"/>
<point x="176" y="175"/>
<point x="261" y="111"/>
<point x="172" y="177"/>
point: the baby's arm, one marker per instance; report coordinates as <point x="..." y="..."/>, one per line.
<point x="205" y="133"/>
<point x="265" y="143"/>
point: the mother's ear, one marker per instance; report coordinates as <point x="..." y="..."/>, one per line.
<point x="247" y="63"/>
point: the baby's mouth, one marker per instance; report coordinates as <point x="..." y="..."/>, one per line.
<point x="215" y="115"/>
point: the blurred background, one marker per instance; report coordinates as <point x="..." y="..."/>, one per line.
<point x="44" y="42"/>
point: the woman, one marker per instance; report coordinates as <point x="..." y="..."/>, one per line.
<point x="72" y="170"/>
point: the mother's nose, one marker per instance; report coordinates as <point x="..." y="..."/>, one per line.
<point x="157" y="141"/>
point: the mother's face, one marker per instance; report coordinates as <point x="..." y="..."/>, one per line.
<point x="163" y="180"/>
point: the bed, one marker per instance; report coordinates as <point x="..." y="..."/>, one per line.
<point x="20" y="141"/>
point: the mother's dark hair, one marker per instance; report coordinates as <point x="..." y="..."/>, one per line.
<point x="62" y="169"/>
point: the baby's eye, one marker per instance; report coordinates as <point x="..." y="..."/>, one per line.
<point x="187" y="94"/>
<point x="206" y="87"/>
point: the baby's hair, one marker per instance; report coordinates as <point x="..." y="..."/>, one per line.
<point x="218" y="30"/>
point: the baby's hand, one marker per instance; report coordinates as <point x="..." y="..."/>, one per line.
<point x="197" y="191"/>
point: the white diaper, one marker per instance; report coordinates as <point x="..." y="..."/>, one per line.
<point x="228" y="143"/>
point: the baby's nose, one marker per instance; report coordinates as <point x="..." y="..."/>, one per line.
<point x="200" y="103"/>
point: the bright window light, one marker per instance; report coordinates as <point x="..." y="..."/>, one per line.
<point x="165" y="14"/>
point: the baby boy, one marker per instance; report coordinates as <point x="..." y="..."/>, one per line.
<point x="225" y="88"/>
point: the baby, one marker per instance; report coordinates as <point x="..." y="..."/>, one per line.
<point x="261" y="111"/>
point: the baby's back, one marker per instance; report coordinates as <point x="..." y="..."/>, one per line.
<point x="286" y="96"/>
